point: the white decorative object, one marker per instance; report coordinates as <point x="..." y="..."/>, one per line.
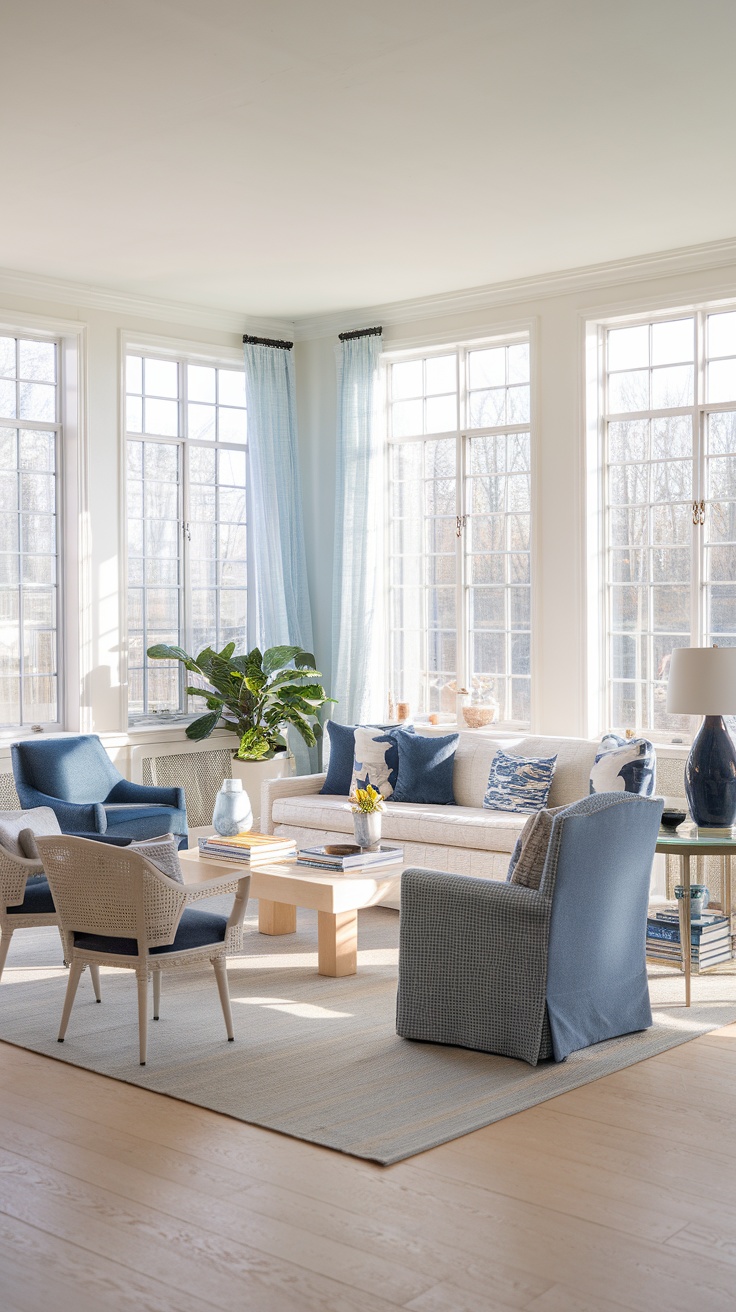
<point x="233" y="813"/>
<point x="367" y="828"/>
<point x="253" y="774"/>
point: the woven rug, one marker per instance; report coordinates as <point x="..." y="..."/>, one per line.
<point x="316" y="1058"/>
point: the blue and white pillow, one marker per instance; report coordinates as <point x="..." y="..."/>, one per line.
<point x="376" y="761"/>
<point x="624" y="765"/>
<point x="519" y="783"/>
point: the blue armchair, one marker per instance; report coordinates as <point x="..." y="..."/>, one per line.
<point x="77" y="779"/>
<point x="536" y="972"/>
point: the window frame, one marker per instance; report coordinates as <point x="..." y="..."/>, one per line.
<point x="520" y="332"/>
<point x="182" y="354"/>
<point x="598" y="538"/>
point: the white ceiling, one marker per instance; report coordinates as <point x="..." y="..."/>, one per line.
<point x="288" y="157"/>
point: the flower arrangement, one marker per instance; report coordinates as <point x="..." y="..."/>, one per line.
<point x="366" y="801"/>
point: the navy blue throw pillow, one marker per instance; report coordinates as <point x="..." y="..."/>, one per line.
<point x="342" y="754"/>
<point x="425" y="769"/>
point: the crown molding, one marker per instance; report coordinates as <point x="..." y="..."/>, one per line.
<point x="40" y="288"/>
<point x="660" y="264"/>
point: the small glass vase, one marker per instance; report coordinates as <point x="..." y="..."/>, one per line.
<point x="367" y="828"/>
<point x="232" y="813"/>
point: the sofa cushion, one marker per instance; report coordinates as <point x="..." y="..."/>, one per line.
<point x="426" y="768"/>
<point x="476" y="750"/>
<point x="40" y="819"/>
<point x="453" y="826"/>
<point x="624" y="765"/>
<point x="376" y="760"/>
<point x="519" y="783"/>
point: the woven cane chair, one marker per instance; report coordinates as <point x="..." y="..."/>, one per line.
<point x="116" y="909"/>
<point x="26" y="903"/>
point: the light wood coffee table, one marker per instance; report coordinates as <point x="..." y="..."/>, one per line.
<point x="283" y="886"/>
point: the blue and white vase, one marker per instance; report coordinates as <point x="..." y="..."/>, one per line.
<point x="232" y="813"/>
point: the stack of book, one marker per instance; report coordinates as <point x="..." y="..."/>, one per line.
<point x="710" y="939"/>
<point x="248" y="848"/>
<point x="348" y="858"/>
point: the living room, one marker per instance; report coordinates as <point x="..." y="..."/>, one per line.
<point x="405" y="338"/>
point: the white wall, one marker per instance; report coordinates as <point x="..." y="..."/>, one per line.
<point x="557" y="317"/>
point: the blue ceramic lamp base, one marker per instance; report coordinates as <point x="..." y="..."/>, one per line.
<point x="710" y="776"/>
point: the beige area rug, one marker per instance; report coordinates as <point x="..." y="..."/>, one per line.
<point x="316" y="1058"/>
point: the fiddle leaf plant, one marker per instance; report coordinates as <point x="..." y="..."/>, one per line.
<point x="256" y="695"/>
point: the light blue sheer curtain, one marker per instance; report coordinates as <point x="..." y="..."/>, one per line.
<point x="279" y="609"/>
<point x="357" y="618"/>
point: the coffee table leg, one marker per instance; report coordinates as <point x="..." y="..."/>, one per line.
<point x="685" y="942"/>
<point x="338" y="943"/>
<point x="276" y="917"/>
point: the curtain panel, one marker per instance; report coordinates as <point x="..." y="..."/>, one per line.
<point x="358" y="679"/>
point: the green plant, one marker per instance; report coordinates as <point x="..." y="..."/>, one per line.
<point x="254" y="696"/>
<point x="368" y="800"/>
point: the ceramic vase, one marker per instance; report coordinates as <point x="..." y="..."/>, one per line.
<point x="367" y="827"/>
<point x="232" y="813"/>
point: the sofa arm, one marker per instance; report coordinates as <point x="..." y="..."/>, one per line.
<point x="472" y="963"/>
<point x="296" y="785"/>
<point x="147" y="795"/>
<point x="79" y="817"/>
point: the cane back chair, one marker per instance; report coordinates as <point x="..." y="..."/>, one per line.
<point x="116" y="909"/>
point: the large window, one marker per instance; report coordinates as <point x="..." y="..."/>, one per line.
<point x="186" y="426"/>
<point x="459" y="529"/>
<point x="29" y="535"/>
<point x="670" y="505"/>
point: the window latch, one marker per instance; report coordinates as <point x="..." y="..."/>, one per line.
<point x="186" y="531"/>
<point x="461" y="522"/>
<point x="698" y="512"/>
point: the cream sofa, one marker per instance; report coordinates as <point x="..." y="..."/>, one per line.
<point x="465" y="839"/>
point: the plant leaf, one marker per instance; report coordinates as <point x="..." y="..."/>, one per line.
<point x="202" y="728"/>
<point x="275" y="657"/>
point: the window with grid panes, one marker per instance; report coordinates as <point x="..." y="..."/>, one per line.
<point x="670" y="505"/>
<point x="460" y="529"/>
<point x="29" y="534"/>
<point x="186" y="479"/>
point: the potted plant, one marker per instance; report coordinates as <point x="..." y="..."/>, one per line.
<point x="367" y="804"/>
<point x="255" y="696"/>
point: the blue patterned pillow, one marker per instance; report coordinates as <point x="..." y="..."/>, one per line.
<point x="624" y="765"/>
<point x="519" y="783"/>
<point x="376" y="760"/>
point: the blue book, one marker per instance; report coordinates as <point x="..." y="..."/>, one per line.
<point x="699" y="933"/>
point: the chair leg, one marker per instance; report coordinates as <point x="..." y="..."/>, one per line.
<point x="75" y="974"/>
<point x="156" y="993"/>
<point x="5" y="937"/>
<point x="94" y="971"/>
<point x="220" y="965"/>
<point x="142" y="1015"/>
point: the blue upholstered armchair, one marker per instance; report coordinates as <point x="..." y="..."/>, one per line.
<point x="536" y="972"/>
<point x="77" y="779"/>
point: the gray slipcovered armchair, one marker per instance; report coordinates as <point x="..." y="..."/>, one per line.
<point x="534" y="973"/>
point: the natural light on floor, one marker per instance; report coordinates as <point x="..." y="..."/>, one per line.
<point x="304" y="1009"/>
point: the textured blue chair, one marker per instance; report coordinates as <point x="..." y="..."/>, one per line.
<point x="77" y="779"/>
<point x="534" y="973"/>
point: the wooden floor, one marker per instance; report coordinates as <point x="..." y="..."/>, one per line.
<point x="621" y="1194"/>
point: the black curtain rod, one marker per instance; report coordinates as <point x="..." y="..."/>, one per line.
<point x="268" y="341"/>
<point x="360" y="332"/>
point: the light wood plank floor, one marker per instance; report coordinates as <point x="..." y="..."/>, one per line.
<point x="619" y="1195"/>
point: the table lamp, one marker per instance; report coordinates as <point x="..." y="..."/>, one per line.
<point x="703" y="682"/>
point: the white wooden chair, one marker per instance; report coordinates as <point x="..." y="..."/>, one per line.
<point x="116" y="909"/>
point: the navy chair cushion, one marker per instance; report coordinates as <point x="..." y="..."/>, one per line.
<point x="37" y="901"/>
<point x="197" y="929"/>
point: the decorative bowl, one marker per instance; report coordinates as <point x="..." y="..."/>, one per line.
<point x="476" y="717"/>
<point x="671" y="819"/>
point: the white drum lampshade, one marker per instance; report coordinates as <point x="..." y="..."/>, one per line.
<point x="702" y="681"/>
